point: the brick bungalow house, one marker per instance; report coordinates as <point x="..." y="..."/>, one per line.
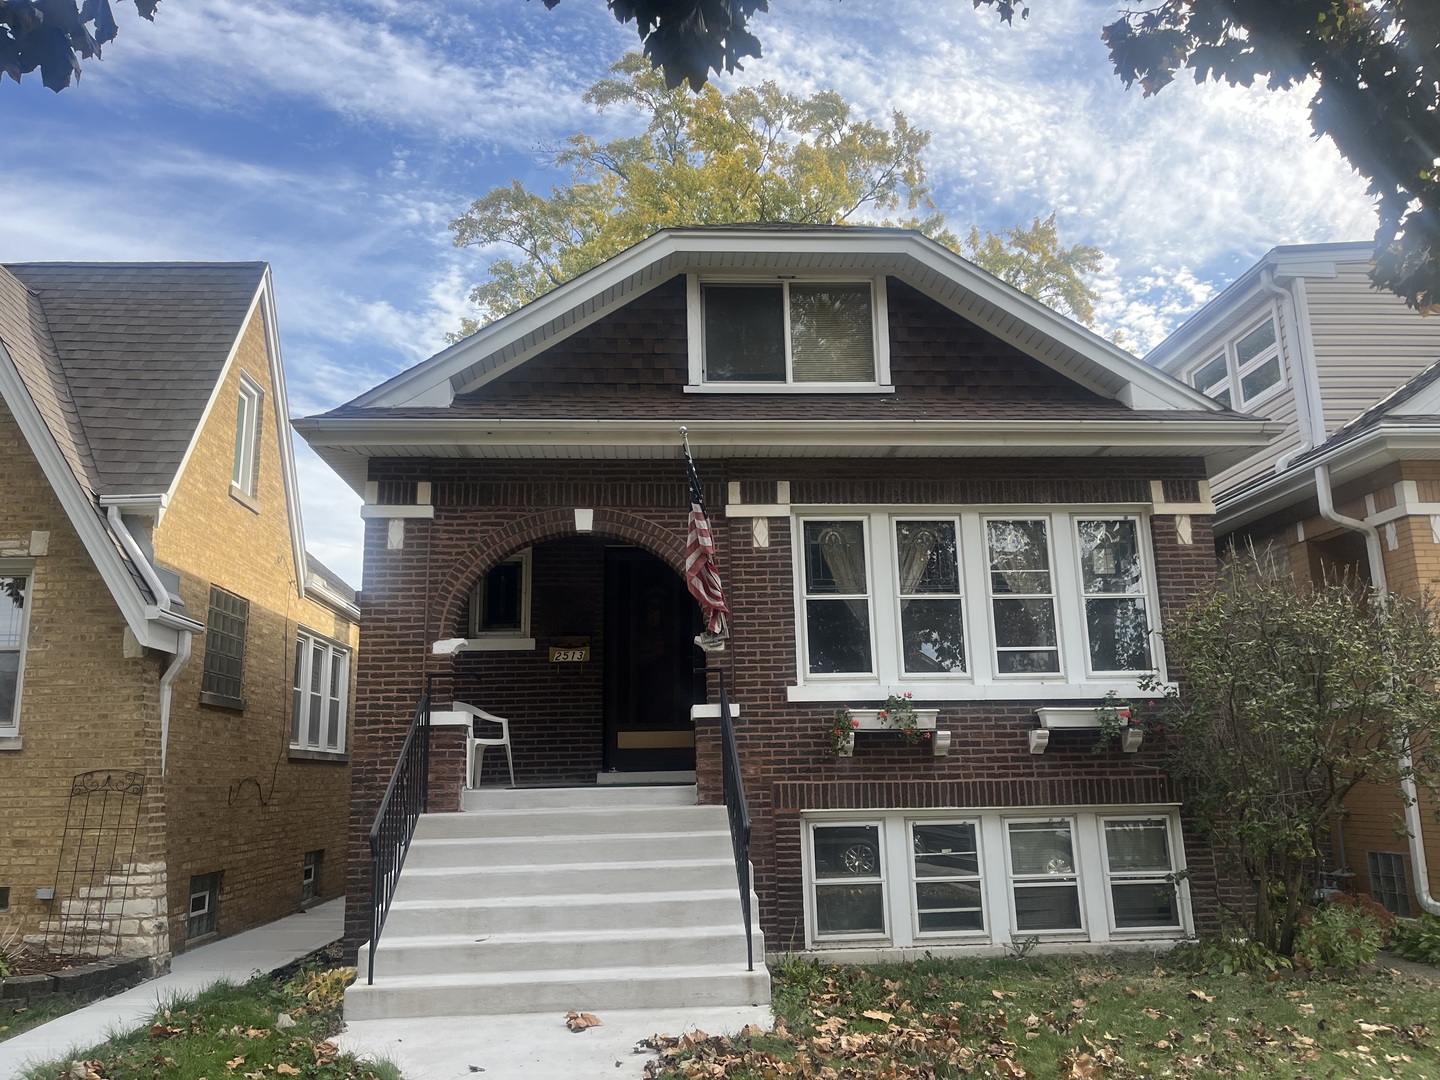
<point x="921" y="482"/>
<point x="175" y="670"/>
<point x="1352" y="484"/>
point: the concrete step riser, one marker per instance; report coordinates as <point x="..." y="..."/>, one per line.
<point x="464" y="883"/>
<point x="435" y="917"/>
<point x="580" y="821"/>
<point x="724" y="947"/>
<point x="535" y="798"/>
<point x="592" y="995"/>
<point x="562" y="851"/>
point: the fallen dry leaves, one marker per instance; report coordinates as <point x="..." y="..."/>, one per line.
<point x="578" y="1021"/>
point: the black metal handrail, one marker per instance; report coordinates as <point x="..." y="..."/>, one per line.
<point x="733" y="784"/>
<point x="406" y="797"/>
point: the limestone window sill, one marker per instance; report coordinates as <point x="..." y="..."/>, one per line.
<point x="335" y="757"/>
<point x="9" y="742"/>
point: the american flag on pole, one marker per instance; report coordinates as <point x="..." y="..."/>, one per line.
<point x="702" y="576"/>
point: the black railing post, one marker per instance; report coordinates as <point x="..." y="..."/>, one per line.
<point x="738" y="810"/>
<point x="406" y="797"/>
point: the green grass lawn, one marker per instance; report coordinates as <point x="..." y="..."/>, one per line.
<point x="21" y="1015"/>
<point x="1080" y="1018"/>
<point x="231" y="1033"/>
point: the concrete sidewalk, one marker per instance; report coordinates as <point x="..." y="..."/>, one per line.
<point x="534" y="1046"/>
<point x="233" y="959"/>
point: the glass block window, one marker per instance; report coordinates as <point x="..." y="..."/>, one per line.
<point x="849" y="880"/>
<point x="1117" y="629"/>
<point x="1389" y="882"/>
<point x="204" y="905"/>
<point x="222" y="682"/>
<point x="948" y="893"/>
<point x="1044" y="881"/>
<point x="1137" y="854"/>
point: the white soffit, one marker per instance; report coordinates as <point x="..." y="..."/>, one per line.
<point x="934" y="270"/>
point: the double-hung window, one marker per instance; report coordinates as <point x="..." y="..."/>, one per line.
<point x="935" y="878"/>
<point x="1044" y="880"/>
<point x="319" y="694"/>
<point x="245" y="470"/>
<point x="1141" y="874"/>
<point x="1246" y="370"/>
<point x="937" y="602"/>
<point x="790" y="333"/>
<point x="15" y="581"/>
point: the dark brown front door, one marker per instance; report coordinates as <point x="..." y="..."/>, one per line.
<point x="650" y="661"/>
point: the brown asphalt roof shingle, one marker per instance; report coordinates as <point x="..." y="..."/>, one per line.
<point x="134" y="348"/>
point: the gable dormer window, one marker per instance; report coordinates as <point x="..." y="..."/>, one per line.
<point x="789" y="334"/>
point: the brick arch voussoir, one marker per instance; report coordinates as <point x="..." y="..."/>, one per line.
<point x="500" y="543"/>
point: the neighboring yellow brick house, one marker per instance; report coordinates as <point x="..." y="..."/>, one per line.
<point x="176" y="673"/>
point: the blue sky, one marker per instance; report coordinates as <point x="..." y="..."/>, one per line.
<point x="337" y="139"/>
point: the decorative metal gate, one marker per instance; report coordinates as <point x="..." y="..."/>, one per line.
<point x="97" y="855"/>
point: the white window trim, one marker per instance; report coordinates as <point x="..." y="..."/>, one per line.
<point x="334" y="652"/>
<point x="870" y="598"/>
<point x="1061" y="659"/>
<point x="982" y="681"/>
<point x="501" y="640"/>
<point x="1150" y="593"/>
<point x="246" y="464"/>
<point x="695" y="334"/>
<point x="963" y="597"/>
<point x="1182" y="904"/>
<point x="19" y="568"/>
<point x="996" y="881"/>
<point x="1065" y="933"/>
<point x="883" y="878"/>
<point x="981" y="883"/>
<point x="1234" y="373"/>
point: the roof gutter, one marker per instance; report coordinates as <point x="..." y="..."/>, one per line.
<point x="186" y="627"/>
<point x="1312" y="426"/>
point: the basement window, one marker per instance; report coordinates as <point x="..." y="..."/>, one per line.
<point x="1389" y="884"/>
<point x="204" y="906"/>
<point x="310" y="876"/>
<point x="4" y="897"/>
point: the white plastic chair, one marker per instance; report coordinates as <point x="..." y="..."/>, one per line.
<point x="474" y="760"/>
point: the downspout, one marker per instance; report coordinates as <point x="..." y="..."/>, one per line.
<point x="1413" y="822"/>
<point x="162" y="601"/>
<point x="1298" y="347"/>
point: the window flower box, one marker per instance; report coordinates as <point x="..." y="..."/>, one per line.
<point x="871" y="720"/>
<point x="1082" y="718"/>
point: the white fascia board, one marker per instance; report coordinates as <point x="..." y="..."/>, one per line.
<point x="1375" y="448"/>
<point x="282" y="427"/>
<point x="94" y="532"/>
<point x="424" y="383"/>
<point x="1111" y="433"/>
<point x="263" y="303"/>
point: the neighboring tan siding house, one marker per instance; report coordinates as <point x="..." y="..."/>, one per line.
<point x="920" y="481"/>
<point x="157" y="595"/>
<point x="1358" y="390"/>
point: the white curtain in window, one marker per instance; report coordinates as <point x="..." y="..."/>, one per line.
<point x="845" y="557"/>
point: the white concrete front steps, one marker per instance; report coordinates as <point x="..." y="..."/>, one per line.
<point x="553" y="899"/>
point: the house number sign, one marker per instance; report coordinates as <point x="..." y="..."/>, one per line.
<point x="570" y="655"/>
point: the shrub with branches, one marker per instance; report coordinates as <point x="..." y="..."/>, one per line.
<point x="1294" y="696"/>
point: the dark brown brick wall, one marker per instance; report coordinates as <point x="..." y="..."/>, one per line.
<point x="942" y="366"/>
<point x="487" y="510"/>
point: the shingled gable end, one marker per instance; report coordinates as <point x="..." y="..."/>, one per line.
<point x="921" y="483"/>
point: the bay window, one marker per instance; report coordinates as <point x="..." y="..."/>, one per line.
<point x="971" y="603"/>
